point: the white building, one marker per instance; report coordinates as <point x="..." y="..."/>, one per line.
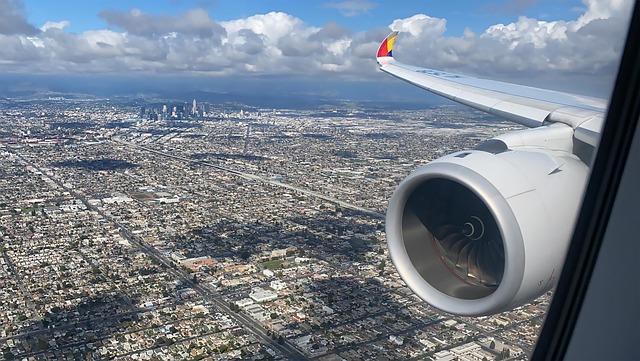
<point x="261" y="295"/>
<point x="244" y="302"/>
<point x="398" y="340"/>
<point x="268" y="273"/>
<point x="278" y="285"/>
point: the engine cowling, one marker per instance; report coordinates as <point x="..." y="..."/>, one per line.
<point x="480" y="232"/>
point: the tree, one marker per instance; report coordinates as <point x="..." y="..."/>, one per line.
<point x="273" y="316"/>
<point x="42" y="345"/>
<point x="492" y="345"/>
<point x="382" y="265"/>
<point x="280" y="340"/>
<point x="7" y="354"/>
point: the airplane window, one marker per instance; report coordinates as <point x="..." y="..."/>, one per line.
<point x="606" y="224"/>
<point x="196" y="180"/>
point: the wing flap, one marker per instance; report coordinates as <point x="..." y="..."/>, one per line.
<point x="528" y="116"/>
<point x="479" y="101"/>
<point x="589" y="131"/>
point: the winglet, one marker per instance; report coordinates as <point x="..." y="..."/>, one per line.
<point x="384" y="51"/>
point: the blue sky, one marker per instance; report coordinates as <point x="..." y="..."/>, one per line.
<point x="570" y="45"/>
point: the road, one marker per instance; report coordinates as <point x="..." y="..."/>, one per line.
<point x="208" y="295"/>
<point x="253" y="326"/>
<point x="257" y="178"/>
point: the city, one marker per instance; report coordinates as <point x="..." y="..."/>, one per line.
<point x="192" y="230"/>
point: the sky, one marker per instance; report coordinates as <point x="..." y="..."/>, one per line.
<point x="569" y="45"/>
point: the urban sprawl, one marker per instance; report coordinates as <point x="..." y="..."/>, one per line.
<point x="166" y="231"/>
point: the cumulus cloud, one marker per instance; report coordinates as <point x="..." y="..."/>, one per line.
<point x="18" y="50"/>
<point x="421" y="26"/>
<point x="191" y="22"/>
<point x="598" y="9"/>
<point x="12" y="20"/>
<point x="592" y="44"/>
<point x="55" y="25"/>
<point x="279" y="43"/>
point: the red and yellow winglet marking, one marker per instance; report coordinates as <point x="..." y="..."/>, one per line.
<point x="387" y="45"/>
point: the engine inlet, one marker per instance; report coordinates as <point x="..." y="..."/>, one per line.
<point x="451" y="224"/>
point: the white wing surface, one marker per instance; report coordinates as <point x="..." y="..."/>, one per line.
<point x="529" y="106"/>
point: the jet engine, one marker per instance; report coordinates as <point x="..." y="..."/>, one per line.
<point x="483" y="231"/>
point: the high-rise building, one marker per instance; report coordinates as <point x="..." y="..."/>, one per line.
<point x="165" y="110"/>
<point x="194" y="108"/>
<point x="142" y="112"/>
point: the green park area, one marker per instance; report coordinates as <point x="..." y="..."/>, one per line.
<point x="272" y="265"/>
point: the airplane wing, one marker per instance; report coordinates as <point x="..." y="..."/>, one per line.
<point x="531" y="107"/>
<point x="485" y="230"/>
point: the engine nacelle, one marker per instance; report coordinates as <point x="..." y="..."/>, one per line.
<point x="480" y="232"/>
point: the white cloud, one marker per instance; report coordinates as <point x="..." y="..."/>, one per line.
<point x="591" y="45"/>
<point x="195" y="22"/>
<point x="272" y="26"/>
<point x="421" y="25"/>
<point x="279" y="43"/>
<point x="12" y="21"/>
<point x="599" y="9"/>
<point x="55" y="25"/>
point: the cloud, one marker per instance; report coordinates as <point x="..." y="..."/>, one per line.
<point x="272" y="26"/>
<point x="55" y="25"/>
<point x="421" y="26"/>
<point x="18" y="52"/>
<point x="12" y="21"/>
<point x="590" y="45"/>
<point x="277" y="43"/>
<point x="192" y="22"/>
<point x="351" y="8"/>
